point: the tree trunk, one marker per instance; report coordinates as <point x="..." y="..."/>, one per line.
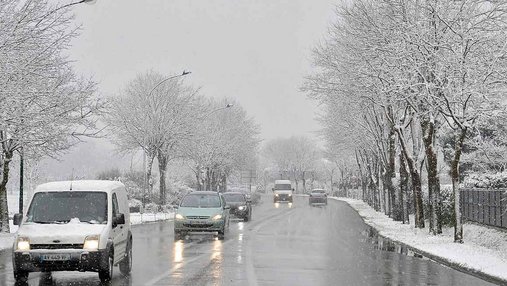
<point x="416" y="182"/>
<point x="435" y="209"/>
<point x="403" y="189"/>
<point x="162" y="166"/>
<point x="458" y="148"/>
<point x="4" y="210"/>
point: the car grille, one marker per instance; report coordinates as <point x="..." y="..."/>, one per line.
<point x="198" y="225"/>
<point x="56" y="246"/>
<point x="198" y="217"/>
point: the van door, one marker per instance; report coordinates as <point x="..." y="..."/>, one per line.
<point x="118" y="237"/>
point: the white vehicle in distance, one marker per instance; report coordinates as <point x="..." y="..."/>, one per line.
<point x="282" y="191"/>
<point x="74" y="226"/>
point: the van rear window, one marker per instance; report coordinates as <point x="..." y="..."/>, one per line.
<point x="64" y="207"/>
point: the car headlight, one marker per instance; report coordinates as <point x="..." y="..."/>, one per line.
<point x="91" y="242"/>
<point x="241" y="208"/>
<point x="23" y="244"/>
<point x="276" y="195"/>
<point x="290" y="195"/>
<point x="179" y="217"/>
<point x="217" y="217"/>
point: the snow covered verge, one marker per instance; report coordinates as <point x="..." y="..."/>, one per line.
<point x="7" y="239"/>
<point x="484" y="252"/>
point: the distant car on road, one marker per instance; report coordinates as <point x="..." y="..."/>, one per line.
<point x="240" y="205"/>
<point x="74" y="226"/>
<point x="202" y="212"/>
<point x="318" y="196"/>
<point x="282" y="191"/>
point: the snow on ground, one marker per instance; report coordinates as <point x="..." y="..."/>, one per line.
<point x="484" y="250"/>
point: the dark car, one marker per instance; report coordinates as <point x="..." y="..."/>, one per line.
<point x="318" y="196"/>
<point x="240" y="205"/>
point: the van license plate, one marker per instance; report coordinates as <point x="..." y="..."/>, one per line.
<point x="55" y="257"/>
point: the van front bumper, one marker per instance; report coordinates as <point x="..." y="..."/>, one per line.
<point x="80" y="260"/>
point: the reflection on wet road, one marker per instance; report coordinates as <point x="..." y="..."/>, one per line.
<point x="283" y="245"/>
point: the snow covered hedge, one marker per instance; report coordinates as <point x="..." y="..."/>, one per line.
<point x="487" y="180"/>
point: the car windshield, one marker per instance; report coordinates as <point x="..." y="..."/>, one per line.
<point x="282" y="187"/>
<point x="234" y="198"/>
<point x="318" y="192"/>
<point x="64" y="207"/>
<point x="201" y="201"/>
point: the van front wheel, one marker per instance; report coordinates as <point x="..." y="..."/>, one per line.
<point x="21" y="276"/>
<point x="106" y="274"/>
<point x="126" y="263"/>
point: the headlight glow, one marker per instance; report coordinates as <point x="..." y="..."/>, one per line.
<point x="290" y="195"/>
<point x="241" y="208"/>
<point x="91" y="242"/>
<point x="276" y="195"/>
<point x="217" y="217"/>
<point x="179" y="217"/>
<point x="23" y="244"/>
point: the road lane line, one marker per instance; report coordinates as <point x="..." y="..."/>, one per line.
<point x="250" y="269"/>
<point x="179" y="265"/>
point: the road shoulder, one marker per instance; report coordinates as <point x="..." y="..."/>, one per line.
<point x="488" y="263"/>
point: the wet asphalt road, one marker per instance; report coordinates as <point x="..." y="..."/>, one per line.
<point x="282" y="245"/>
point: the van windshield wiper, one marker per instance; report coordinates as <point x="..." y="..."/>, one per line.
<point x="51" y="222"/>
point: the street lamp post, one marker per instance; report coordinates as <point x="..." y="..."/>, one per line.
<point x="21" y="155"/>
<point x="145" y="179"/>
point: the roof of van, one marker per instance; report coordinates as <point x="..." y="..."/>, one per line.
<point x="282" y="182"/>
<point x="83" y="185"/>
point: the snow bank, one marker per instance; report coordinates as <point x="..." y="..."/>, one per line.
<point x="138" y="218"/>
<point x="484" y="250"/>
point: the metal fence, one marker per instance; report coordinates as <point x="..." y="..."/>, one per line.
<point x="485" y="206"/>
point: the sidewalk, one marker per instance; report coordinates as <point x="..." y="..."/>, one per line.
<point x="484" y="252"/>
<point x="7" y="239"/>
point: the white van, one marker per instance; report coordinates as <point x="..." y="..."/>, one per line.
<point x="282" y="191"/>
<point x="74" y="226"/>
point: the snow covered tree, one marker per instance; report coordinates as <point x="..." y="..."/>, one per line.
<point x="44" y="106"/>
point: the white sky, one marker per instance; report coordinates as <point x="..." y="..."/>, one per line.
<point x="256" y="51"/>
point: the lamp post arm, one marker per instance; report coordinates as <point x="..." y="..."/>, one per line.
<point x="59" y="8"/>
<point x="169" y="78"/>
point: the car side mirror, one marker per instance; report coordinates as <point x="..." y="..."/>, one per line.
<point x="272" y="189"/>
<point x="293" y="190"/>
<point x="119" y="219"/>
<point x="227" y="207"/>
<point x="16" y="220"/>
<point x="249" y="200"/>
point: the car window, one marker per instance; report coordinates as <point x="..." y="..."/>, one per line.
<point x="201" y="201"/>
<point x="234" y="198"/>
<point x="115" y="206"/>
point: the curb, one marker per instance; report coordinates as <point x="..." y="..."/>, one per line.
<point x="436" y="258"/>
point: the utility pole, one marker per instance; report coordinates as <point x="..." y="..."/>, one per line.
<point x="21" y="167"/>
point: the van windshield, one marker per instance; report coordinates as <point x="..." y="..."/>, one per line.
<point x="65" y="207"/>
<point x="283" y="187"/>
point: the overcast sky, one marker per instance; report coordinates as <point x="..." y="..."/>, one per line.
<point x="256" y="51"/>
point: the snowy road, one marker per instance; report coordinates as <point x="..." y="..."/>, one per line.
<point x="282" y="245"/>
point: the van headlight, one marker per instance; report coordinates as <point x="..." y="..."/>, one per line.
<point x="217" y="217"/>
<point x="276" y="195"/>
<point x="91" y="242"/>
<point x="179" y="217"/>
<point x="23" y="244"/>
<point x="290" y="195"/>
<point x="242" y="208"/>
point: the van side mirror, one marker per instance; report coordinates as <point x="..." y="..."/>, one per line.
<point x="227" y="207"/>
<point x="16" y="220"/>
<point x="119" y="219"/>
